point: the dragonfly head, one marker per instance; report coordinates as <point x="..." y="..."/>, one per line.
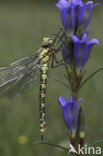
<point x="47" y="42"/>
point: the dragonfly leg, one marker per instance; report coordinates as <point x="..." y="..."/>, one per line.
<point x="58" y="49"/>
<point x="58" y="34"/>
<point x="55" y="66"/>
<point x="60" y="40"/>
<point x="58" y="63"/>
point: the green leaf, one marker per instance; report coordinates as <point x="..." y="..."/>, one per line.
<point x="65" y="143"/>
<point x="60" y="81"/>
<point x="51" y="144"/>
<point x="89" y="77"/>
<point x="98" y="141"/>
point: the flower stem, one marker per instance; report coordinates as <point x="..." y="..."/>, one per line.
<point x="74" y="91"/>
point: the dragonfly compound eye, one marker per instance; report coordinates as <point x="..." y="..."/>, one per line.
<point x="47" y="41"/>
<point x="51" y="41"/>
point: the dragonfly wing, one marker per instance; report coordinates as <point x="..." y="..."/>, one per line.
<point x="19" y="77"/>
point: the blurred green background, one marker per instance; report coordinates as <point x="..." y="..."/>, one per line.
<point x="22" y="26"/>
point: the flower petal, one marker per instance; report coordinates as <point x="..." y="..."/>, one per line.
<point x="62" y="101"/>
<point x="62" y="4"/>
<point x="87" y="20"/>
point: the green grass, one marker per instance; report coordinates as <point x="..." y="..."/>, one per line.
<point x="21" y="30"/>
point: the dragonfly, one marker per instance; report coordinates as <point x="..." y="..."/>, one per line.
<point x="21" y="76"/>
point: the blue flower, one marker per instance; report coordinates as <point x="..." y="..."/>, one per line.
<point x="69" y="109"/>
<point x="75" y="13"/>
<point x="84" y="13"/>
<point x="79" y="52"/>
<point x="82" y="49"/>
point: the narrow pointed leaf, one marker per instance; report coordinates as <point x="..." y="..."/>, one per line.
<point x="89" y="77"/>
<point x="98" y="141"/>
<point x="58" y="80"/>
<point x="51" y="144"/>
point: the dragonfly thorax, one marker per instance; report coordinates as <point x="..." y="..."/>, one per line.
<point x="44" y="55"/>
<point x="46" y="42"/>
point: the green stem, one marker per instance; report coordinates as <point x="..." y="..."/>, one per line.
<point x="74" y="91"/>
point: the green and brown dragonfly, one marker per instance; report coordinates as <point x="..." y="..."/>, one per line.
<point x="20" y="76"/>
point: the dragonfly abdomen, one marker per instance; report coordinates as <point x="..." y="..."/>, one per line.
<point x="44" y="57"/>
<point x="44" y="71"/>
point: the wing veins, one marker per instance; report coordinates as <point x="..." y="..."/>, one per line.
<point x="19" y="76"/>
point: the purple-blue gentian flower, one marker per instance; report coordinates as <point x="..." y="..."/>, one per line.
<point x="74" y="13"/>
<point x="69" y="109"/>
<point x="82" y="49"/>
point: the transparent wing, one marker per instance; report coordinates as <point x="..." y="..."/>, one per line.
<point x="19" y="77"/>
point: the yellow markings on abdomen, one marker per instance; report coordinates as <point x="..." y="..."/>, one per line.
<point x="44" y="69"/>
<point x="43" y="86"/>
<point x="42" y="95"/>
